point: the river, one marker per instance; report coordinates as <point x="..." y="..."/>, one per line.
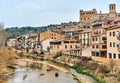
<point x="46" y="74"/>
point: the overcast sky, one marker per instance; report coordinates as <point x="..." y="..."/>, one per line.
<point x="43" y="12"/>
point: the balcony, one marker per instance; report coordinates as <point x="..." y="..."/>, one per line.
<point x="103" y="47"/>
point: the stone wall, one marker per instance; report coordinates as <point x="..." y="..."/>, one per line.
<point x="105" y="60"/>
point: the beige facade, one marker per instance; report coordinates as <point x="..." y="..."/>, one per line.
<point x="91" y="16"/>
<point x="63" y="45"/>
<point x="99" y="42"/>
<point x="49" y="34"/>
<point x="87" y="16"/>
<point x="113" y="44"/>
<point x="84" y="37"/>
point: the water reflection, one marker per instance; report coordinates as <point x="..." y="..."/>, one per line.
<point x="25" y="75"/>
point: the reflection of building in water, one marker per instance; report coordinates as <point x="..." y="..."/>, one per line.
<point x="92" y="15"/>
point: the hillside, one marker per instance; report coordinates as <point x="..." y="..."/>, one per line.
<point x="13" y="32"/>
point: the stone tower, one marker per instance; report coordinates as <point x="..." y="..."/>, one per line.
<point x="112" y="8"/>
<point x="112" y="11"/>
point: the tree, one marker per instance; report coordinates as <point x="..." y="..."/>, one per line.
<point x="7" y="56"/>
<point x="3" y="35"/>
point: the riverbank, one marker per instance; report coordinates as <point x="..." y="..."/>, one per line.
<point x="6" y="73"/>
<point x="98" y="71"/>
<point x="26" y="62"/>
<point x="88" y="69"/>
<point x="81" y="78"/>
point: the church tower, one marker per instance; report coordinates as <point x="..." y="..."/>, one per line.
<point x="112" y="11"/>
<point x="112" y="8"/>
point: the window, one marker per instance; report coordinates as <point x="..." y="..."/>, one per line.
<point x="97" y="53"/>
<point x="93" y="39"/>
<point x="113" y="44"/>
<point x="81" y="18"/>
<point x="114" y="55"/>
<point x="51" y="47"/>
<point x="119" y="56"/>
<point x="104" y="46"/>
<point x="70" y="46"/>
<point x="97" y="46"/>
<point x="113" y="34"/>
<point x="109" y="33"/>
<point x="93" y="46"/>
<point x="84" y="18"/>
<point x="110" y="55"/>
<point x="110" y="44"/>
<point x="65" y="46"/>
<point x="57" y="47"/>
<point x="104" y="38"/>
<point x="76" y="46"/>
<point x="93" y="53"/>
<point x="96" y="38"/>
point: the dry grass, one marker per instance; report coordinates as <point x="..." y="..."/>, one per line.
<point x="7" y="57"/>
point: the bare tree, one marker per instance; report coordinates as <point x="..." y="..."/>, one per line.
<point x="3" y="35"/>
<point x="7" y="56"/>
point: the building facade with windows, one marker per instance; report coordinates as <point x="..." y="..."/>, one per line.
<point x="99" y="42"/>
<point x="50" y="34"/>
<point x="84" y="37"/>
<point x="113" y="43"/>
<point x="63" y="45"/>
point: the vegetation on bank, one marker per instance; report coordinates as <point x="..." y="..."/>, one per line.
<point x="38" y="65"/>
<point x="7" y="58"/>
<point x="82" y="70"/>
<point x="99" y="72"/>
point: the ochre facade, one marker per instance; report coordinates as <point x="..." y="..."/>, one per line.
<point x="49" y="34"/>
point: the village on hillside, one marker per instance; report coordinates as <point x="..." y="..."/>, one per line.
<point x="95" y="37"/>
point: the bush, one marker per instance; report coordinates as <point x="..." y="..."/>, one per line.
<point x="7" y="57"/>
<point x="102" y="69"/>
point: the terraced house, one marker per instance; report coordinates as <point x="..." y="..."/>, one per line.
<point x="113" y="44"/>
<point x="99" y="41"/>
<point x="50" y="34"/>
<point x="63" y="45"/>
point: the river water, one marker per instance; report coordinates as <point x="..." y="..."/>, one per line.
<point x="46" y="74"/>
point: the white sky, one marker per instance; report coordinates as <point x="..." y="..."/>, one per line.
<point x="44" y="12"/>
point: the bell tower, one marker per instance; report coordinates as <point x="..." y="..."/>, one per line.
<point x="112" y="11"/>
<point x="112" y="8"/>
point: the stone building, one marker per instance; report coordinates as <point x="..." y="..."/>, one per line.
<point x="63" y="45"/>
<point x="113" y="44"/>
<point x="92" y="15"/>
<point x="50" y="34"/>
<point x="84" y="37"/>
<point x="99" y="41"/>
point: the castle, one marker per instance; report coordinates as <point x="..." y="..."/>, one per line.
<point x="92" y="15"/>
